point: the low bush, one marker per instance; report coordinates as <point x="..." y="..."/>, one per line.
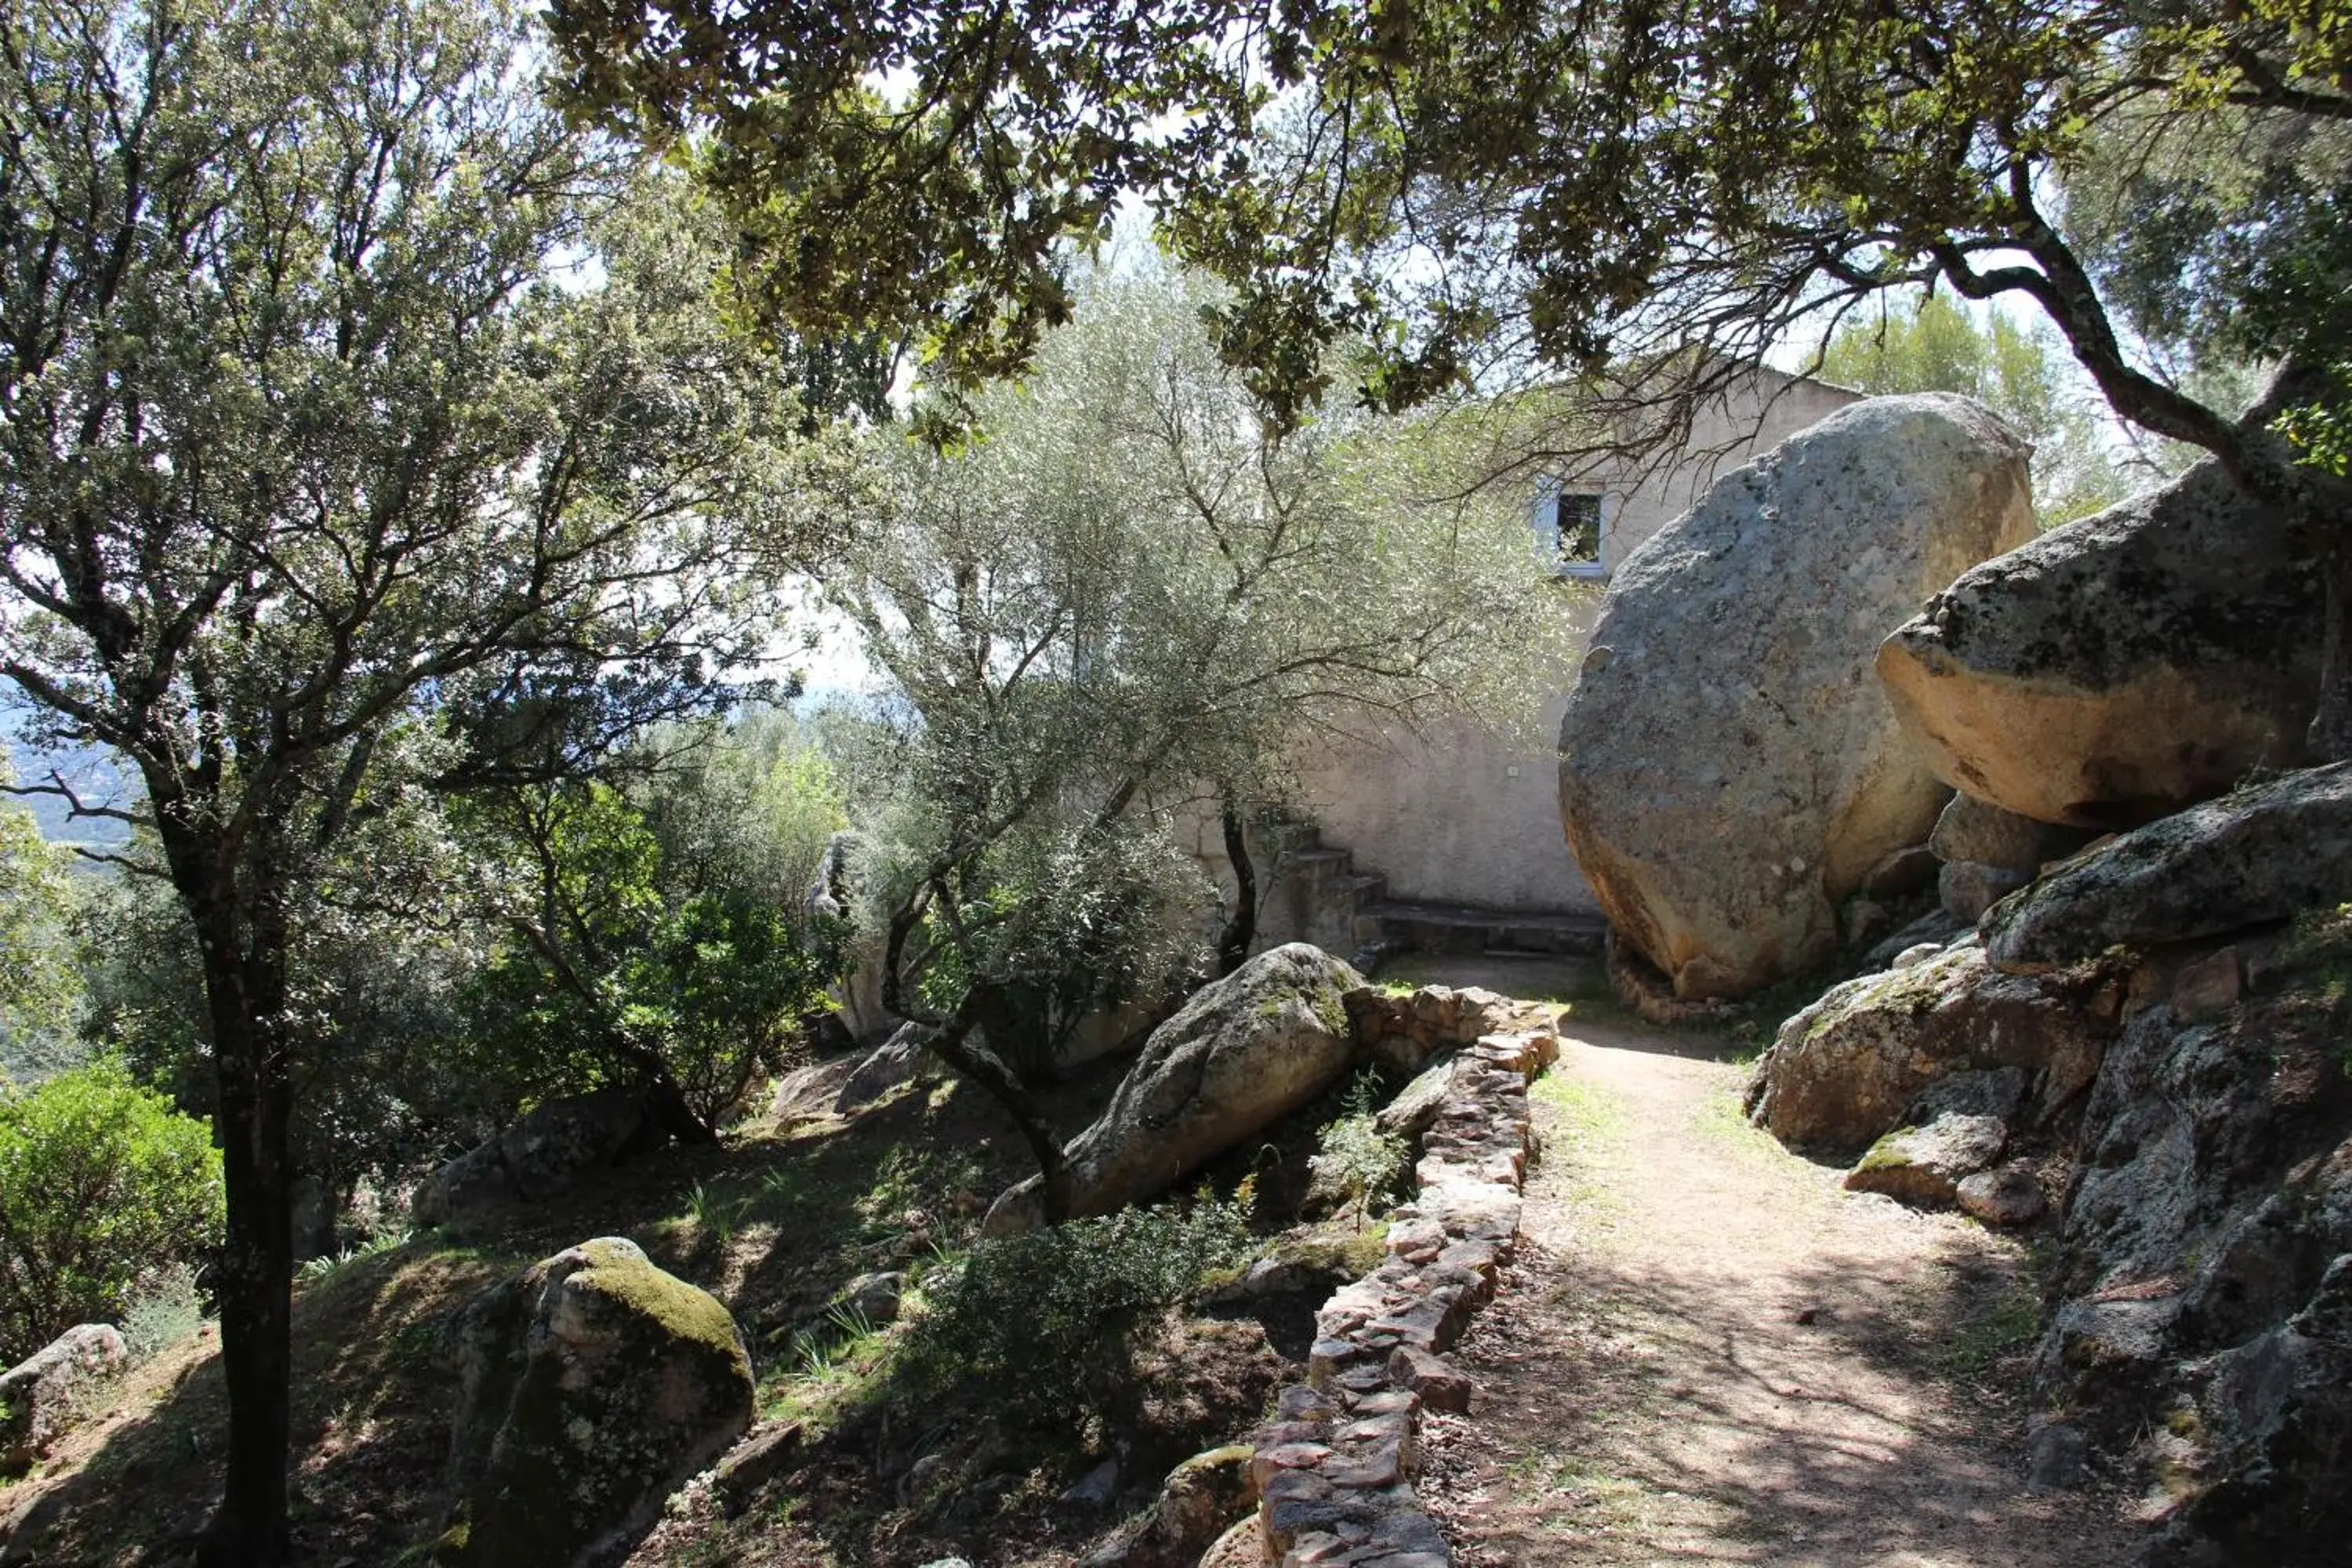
<point x="162" y="1308"/>
<point x="1047" y="1322"/>
<point x="100" y="1181"/>
<point x="1354" y="1158"/>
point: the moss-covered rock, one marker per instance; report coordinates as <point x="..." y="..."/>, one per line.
<point x="1843" y="1072"/>
<point x="1244" y="1053"/>
<point x="592" y="1385"/>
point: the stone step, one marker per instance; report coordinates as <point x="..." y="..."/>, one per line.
<point x="1465" y="928"/>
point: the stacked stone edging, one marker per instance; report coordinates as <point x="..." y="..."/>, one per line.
<point x="1334" y="1472"/>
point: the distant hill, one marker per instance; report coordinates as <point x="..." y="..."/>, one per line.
<point x="94" y="774"/>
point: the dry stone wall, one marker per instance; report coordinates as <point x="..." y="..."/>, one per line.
<point x="1334" y="1472"/>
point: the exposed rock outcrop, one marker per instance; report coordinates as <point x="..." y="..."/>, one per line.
<point x="1729" y="768"/>
<point x="592" y="1385"/>
<point x="897" y="1060"/>
<point x="1958" y="1130"/>
<point x="1243" y="1053"/>
<point x="2202" y="1280"/>
<point x="2119" y="668"/>
<point x="540" y="1155"/>
<point x="1200" y="1498"/>
<point x="1977" y="830"/>
<point x="52" y="1390"/>
<point x="1843" y="1073"/>
<point x="2204" y="1270"/>
<point x="2250" y="859"/>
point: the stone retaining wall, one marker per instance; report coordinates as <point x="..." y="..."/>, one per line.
<point x="1334" y="1472"/>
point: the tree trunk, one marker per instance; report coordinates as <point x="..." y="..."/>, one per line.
<point x="1241" y="928"/>
<point x="953" y="1046"/>
<point x="2330" y="736"/>
<point x="256" y="1261"/>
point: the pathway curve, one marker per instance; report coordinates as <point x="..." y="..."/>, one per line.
<point x="1707" y="1352"/>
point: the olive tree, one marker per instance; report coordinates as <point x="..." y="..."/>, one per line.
<point x="1127" y="589"/>
<point x="361" y="424"/>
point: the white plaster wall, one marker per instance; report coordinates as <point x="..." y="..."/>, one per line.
<point x="1464" y="815"/>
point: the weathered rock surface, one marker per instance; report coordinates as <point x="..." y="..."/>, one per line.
<point x="540" y="1155"/>
<point x="1925" y="1165"/>
<point x="2119" y="668"/>
<point x="1958" y="1129"/>
<point x="2010" y="1195"/>
<point x="1200" y="1500"/>
<point x="1934" y="928"/>
<point x="1843" y="1073"/>
<point x="2204" y="1270"/>
<point x="1729" y="769"/>
<point x="2250" y="859"/>
<point x="1405" y="1033"/>
<point x="1244" y="1052"/>
<point x="1967" y="889"/>
<point x="592" y="1385"/>
<point x="1416" y="1105"/>
<point x="894" y="1061"/>
<point x="54" y="1390"/>
<point x="1978" y="830"/>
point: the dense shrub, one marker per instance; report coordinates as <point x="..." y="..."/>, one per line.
<point x="99" y="1180"/>
<point x="1046" y="1322"/>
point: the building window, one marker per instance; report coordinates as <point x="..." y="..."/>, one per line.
<point x="1570" y="527"/>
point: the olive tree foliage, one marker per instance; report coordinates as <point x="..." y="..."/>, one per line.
<point x="1931" y="344"/>
<point x="324" y="490"/>
<point x="1125" y="591"/>
<point x="1644" y="196"/>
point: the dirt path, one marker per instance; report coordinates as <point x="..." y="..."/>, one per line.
<point x="1708" y="1352"/>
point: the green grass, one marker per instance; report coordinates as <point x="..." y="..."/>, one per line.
<point x="1720" y="1119"/>
<point x="2001" y="1328"/>
<point x="1590" y="1115"/>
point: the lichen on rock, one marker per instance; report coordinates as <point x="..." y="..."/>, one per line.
<point x="592" y="1385"/>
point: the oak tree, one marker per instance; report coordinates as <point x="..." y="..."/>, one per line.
<point x="361" y="423"/>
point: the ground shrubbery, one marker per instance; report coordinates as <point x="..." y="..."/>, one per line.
<point x="1046" y="1322"/>
<point x="100" y="1181"/>
<point x="1354" y="1158"/>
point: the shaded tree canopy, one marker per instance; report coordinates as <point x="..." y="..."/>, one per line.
<point x="1645" y="194"/>
<point x="1578" y="186"/>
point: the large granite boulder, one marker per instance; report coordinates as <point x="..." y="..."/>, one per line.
<point x="592" y="1385"/>
<point x="2251" y="859"/>
<point x="2119" y="668"/>
<point x="1244" y="1052"/>
<point x="54" y="1390"/>
<point x="1843" y="1073"/>
<point x="1729" y="768"/>
<point x="540" y="1155"/>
